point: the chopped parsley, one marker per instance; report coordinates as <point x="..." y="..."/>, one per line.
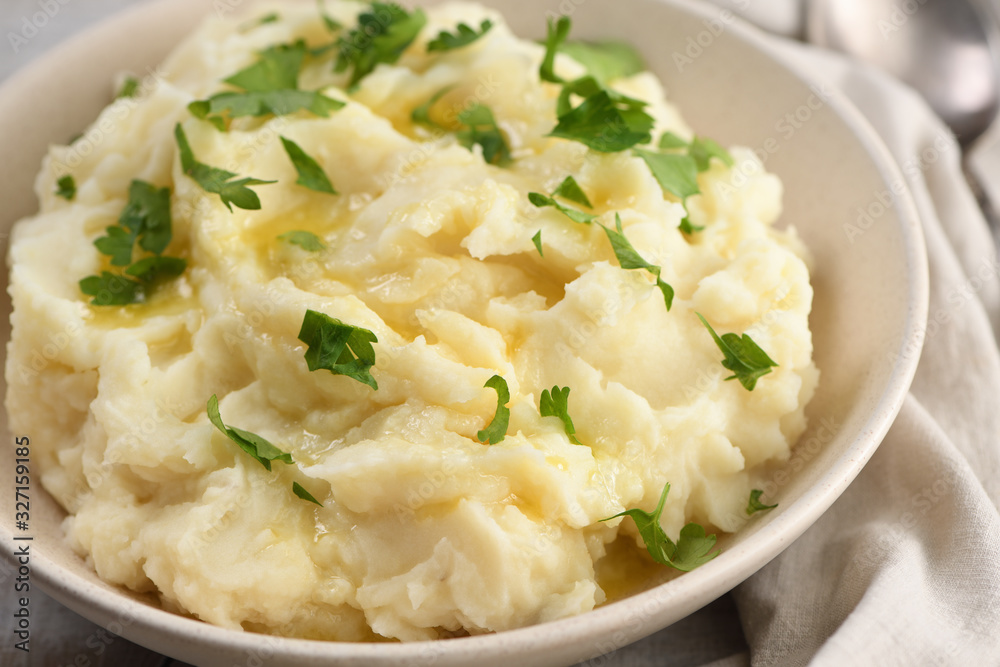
<point x="463" y="36"/>
<point x="145" y="220"/>
<point x="497" y="430"/>
<point x="628" y="258"/>
<point x="339" y="348"/>
<point x="269" y="86"/>
<point x="256" y="446"/>
<point x="606" y="121"/>
<point x="743" y="356"/>
<point x="555" y="403"/>
<point x="273" y="17"/>
<point x="301" y="492"/>
<point x="556" y="34"/>
<point x="251" y="443"/>
<point x="382" y="34"/>
<point x="754" y="505"/>
<point x="537" y="240"/>
<point x="305" y="240"/>
<point x="606" y="61"/>
<point x="66" y="188"/>
<point x="570" y="190"/>
<point x="677" y="172"/>
<point x="605" y="124"/>
<point x="693" y="547"/>
<point x="311" y="175"/>
<point x="130" y="86"/>
<point x="482" y="130"/>
<point x="218" y="181"/>
<point x="422" y="114"/>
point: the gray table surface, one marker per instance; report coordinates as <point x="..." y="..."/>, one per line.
<point x="61" y="638"/>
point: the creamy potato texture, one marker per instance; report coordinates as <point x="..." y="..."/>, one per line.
<point x="424" y="530"/>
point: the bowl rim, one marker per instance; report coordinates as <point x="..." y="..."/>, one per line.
<point x="667" y="602"/>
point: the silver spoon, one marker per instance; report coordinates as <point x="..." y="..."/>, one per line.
<point x="948" y="50"/>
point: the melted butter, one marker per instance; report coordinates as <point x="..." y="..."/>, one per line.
<point x="627" y="569"/>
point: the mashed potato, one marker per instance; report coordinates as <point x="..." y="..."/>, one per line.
<point x="424" y="531"/>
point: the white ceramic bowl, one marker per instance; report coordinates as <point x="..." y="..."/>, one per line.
<point x="870" y="307"/>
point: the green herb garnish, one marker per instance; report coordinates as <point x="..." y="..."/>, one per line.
<point x="305" y="240"/>
<point x="311" y="175"/>
<point x="693" y="547"/>
<point x="743" y="356"/>
<point x="754" y="505"/>
<point x="273" y="17"/>
<point x="422" y="114"/>
<point x="251" y="443"/>
<point x="606" y="61"/>
<point x="482" y="130"/>
<point x="463" y="36"/>
<point x="109" y="289"/>
<point x="569" y="189"/>
<point x="269" y="86"/>
<point x="556" y="404"/>
<point x="144" y="220"/>
<point x="382" y="34"/>
<point x="628" y="258"/>
<point x="66" y="188"/>
<point x="301" y="492"/>
<point x="556" y="34"/>
<point x="130" y="86"/>
<point x="497" y="429"/>
<point x="218" y="181"/>
<point x="605" y="124"/>
<point x="537" y="240"/>
<point x="339" y="348"/>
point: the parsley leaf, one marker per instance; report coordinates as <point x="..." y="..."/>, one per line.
<point x="754" y="505"/>
<point x="693" y="546"/>
<point x="273" y="17"/>
<point x="339" y="348"/>
<point x="628" y="258"/>
<point x="422" y="114"/>
<point x="147" y="216"/>
<point x="704" y="149"/>
<point x="305" y="240"/>
<point x="109" y="289"/>
<point x="571" y="190"/>
<point x="669" y="140"/>
<point x="537" y="240"/>
<point x="743" y="357"/>
<point x="464" y="35"/>
<point x="251" y="443"/>
<point x="118" y="245"/>
<point x="497" y="430"/>
<point x="157" y="268"/>
<point x="676" y="174"/>
<point x="301" y="492"/>
<point x="381" y="36"/>
<point x="606" y="61"/>
<point x="556" y="34"/>
<point x="604" y="124"/>
<point x="556" y="404"/>
<point x="482" y="129"/>
<point x="130" y="86"/>
<point x="568" y="189"/>
<point x="66" y="188"/>
<point x="218" y="181"/>
<point x="269" y="86"/>
<point x="311" y="175"/>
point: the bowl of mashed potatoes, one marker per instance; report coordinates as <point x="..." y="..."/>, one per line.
<point x="436" y="334"/>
